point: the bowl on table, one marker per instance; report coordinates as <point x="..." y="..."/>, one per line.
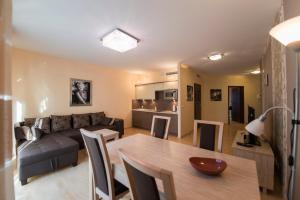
<point x="208" y="166"/>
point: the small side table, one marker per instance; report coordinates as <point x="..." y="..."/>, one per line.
<point x="108" y="134"/>
<point x="264" y="157"/>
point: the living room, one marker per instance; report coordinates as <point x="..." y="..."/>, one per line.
<point x="63" y="84"/>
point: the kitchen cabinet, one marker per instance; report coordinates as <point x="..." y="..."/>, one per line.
<point x="158" y="86"/>
<point x="143" y="120"/>
<point x="171" y="85"/>
<point x="147" y="91"/>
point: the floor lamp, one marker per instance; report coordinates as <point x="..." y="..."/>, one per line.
<point x="288" y="34"/>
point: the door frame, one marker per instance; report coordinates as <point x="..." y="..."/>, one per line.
<point x="243" y="98"/>
<point x="200" y="100"/>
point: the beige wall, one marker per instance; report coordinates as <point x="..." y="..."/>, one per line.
<point x="267" y="92"/>
<point x="157" y="76"/>
<point x="41" y="87"/>
<point x="218" y="110"/>
<point x="186" y="108"/>
<point x="215" y="110"/>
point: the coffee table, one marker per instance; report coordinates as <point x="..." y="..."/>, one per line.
<point x="108" y="134"/>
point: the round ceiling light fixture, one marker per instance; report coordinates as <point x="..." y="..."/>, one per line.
<point x="257" y="71"/>
<point x="215" y="57"/>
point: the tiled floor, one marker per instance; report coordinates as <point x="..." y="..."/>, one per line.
<point x="228" y="136"/>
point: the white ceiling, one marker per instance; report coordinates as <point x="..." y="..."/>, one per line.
<point x="171" y="31"/>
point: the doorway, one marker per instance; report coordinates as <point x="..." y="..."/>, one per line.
<point x="236" y="104"/>
<point x="197" y="101"/>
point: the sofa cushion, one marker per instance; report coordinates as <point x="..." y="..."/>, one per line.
<point x="81" y="120"/>
<point x="19" y="133"/>
<point x="96" y="118"/>
<point x="45" y="123"/>
<point x="106" y="121"/>
<point x="69" y="133"/>
<point x="29" y="122"/>
<point x="47" y="147"/>
<point x="60" y="123"/>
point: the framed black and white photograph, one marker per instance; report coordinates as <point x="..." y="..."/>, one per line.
<point x="189" y="93"/>
<point x="81" y="92"/>
<point x="215" y="94"/>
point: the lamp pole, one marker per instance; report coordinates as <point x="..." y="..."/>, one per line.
<point x="292" y="158"/>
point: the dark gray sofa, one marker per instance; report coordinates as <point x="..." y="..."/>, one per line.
<point x="60" y="141"/>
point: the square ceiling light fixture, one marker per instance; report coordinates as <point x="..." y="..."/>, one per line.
<point x="120" y="41"/>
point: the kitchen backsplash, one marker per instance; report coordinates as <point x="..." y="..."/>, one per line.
<point x="161" y="105"/>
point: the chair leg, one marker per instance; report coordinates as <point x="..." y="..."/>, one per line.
<point x="24" y="182"/>
<point x="92" y="190"/>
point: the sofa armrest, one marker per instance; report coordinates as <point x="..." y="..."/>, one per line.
<point x="119" y="126"/>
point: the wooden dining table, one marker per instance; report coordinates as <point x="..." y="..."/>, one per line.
<point x="238" y="182"/>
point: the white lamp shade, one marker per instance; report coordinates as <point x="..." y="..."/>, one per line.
<point x="256" y="127"/>
<point x="288" y="33"/>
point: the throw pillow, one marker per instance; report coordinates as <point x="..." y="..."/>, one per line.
<point x="112" y="122"/>
<point x="106" y="121"/>
<point x="45" y="125"/>
<point x="36" y="129"/>
<point x="96" y="118"/>
<point x="29" y="122"/>
<point x="27" y="132"/>
<point x="60" y="123"/>
<point x="81" y="121"/>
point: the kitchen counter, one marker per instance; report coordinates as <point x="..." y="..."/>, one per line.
<point x="142" y="118"/>
<point x="153" y="111"/>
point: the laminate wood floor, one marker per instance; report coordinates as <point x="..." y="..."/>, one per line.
<point x="71" y="183"/>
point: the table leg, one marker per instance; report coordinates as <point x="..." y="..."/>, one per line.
<point x="117" y="136"/>
<point x="265" y="190"/>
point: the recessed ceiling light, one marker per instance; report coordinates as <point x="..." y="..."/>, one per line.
<point x="215" y="57"/>
<point x="257" y="71"/>
<point x="119" y="41"/>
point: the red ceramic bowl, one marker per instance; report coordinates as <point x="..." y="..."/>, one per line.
<point x="209" y="166"/>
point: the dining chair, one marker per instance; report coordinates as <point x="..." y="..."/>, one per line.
<point x="141" y="178"/>
<point x="102" y="182"/>
<point x="160" y="126"/>
<point x="207" y="136"/>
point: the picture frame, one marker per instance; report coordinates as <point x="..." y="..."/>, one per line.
<point x="190" y="93"/>
<point x="266" y="79"/>
<point x="80" y="92"/>
<point x="215" y="94"/>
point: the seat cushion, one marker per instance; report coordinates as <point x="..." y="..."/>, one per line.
<point x="47" y="147"/>
<point x="73" y="134"/>
<point x="69" y="133"/>
<point x="81" y="120"/>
